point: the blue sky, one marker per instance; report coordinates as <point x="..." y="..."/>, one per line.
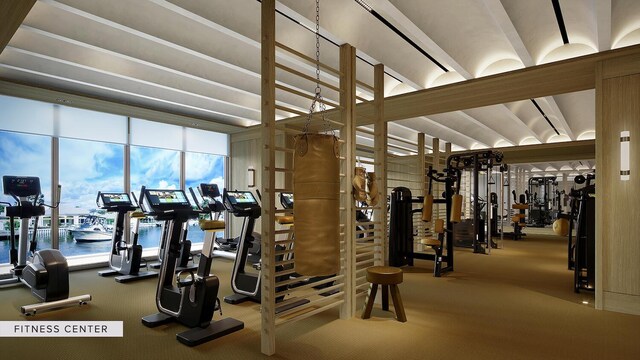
<point x="87" y="167"/>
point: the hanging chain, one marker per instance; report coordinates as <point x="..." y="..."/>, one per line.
<point x="317" y="99"/>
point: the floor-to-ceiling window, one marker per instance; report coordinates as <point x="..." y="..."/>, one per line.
<point x="88" y="152"/>
<point x="202" y="168"/>
<point x="25" y="150"/>
<point x="155" y="164"/>
<point x="90" y="159"/>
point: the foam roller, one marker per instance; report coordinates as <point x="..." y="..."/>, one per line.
<point x="316" y="188"/>
<point x="427" y="208"/>
<point x="456" y="208"/>
<point x="439" y="226"/>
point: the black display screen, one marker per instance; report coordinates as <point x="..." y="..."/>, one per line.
<point x="21" y="186"/>
<point x="241" y="198"/>
<point x="210" y="190"/>
<point x="166" y="199"/>
<point x="115" y="199"/>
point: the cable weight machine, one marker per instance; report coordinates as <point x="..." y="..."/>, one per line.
<point x="476" y="231"/>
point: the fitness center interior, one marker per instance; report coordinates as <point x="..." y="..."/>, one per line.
<point x="320" y="179"/>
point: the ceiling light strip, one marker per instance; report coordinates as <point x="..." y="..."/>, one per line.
<point x="400" y="33"/>
<point x="560" y="19"/>
<point x="326" y="38"/>
<point x="544" y="115"/>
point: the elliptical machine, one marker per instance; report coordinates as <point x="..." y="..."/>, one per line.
<point x="190" y="298"/>
<point x="46" y="271"/>
<point x="125" y="257"/>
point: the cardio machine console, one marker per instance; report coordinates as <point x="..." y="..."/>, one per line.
<point x="159" y="201"/>
<point x="210" y="190"/>
<point x="21" y="186"/>
<point x="114" y="201"/>
<point x="286" y="200"/>
<point x="241" y="203"/>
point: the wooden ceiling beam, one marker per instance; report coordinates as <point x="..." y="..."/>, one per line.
<point x="12" y="14"/>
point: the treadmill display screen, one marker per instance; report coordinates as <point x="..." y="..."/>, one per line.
<point x="241" y="198"/>
<point x="210" y="190"/>
<point x="114" y="199"/>
<point x="167" y="197"/>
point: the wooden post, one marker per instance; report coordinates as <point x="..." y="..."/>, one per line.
<point x="348" y="134"/>
<point x="380" y="158"/>
<point x="268" y="102"/>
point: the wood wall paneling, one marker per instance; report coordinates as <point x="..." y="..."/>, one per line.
<point x="617" y="209"/>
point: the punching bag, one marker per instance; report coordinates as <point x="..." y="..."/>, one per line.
<point x="316" y="190"/>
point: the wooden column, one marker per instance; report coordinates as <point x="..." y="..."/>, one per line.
<point x="380" y="158"/>
<point x="348" y="134"/>
<point x="268" y="99"/>
<point x="617" y="209"/>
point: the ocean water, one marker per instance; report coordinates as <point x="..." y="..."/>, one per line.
<point x="149" y="237"/>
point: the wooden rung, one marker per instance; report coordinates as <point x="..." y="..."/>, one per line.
<point x="309" y="285"/>
<point x="283" y="252"/>
<point x="307" y="77"/>
<point x="365" y="231"/>
<point x="283" y="262"/>
<point x="362" y="146"/>
<point x="365" y="85"/>
<point x="369" y="238"/>
<point x="283" y="149"/>
<point x="363" y="286"/>
<point x="287" y="231"/>
<point x="370" y="162"/>
<point x="292" y="110"/>
<point x="396" y="138"/>
<point x="367" y="223"/>
<point x="285" y="272"/>
<point x="361" y="99"/>
<point x="307" y="96"/>
<point x="405" y="173"/>
<point x="364" y="130"/>
<point x="311" y="304"/>
<point x="284" y="242"/>
<point x="362" y="279"/>
<point x="367" y="246"/>
<point x="288" y="129"/>
<point x="360" y="263"/>
<point x="368" y="253"/>
<point x="399" y="147"/>
<point x="307" y="58"/>
<point x="284" y="211"/>
<point x="405" y="180"/>
<point x="307" y="313"/>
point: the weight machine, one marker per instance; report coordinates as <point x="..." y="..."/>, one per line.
<point x="476" y="232"/>
<point x="581" y="248"/>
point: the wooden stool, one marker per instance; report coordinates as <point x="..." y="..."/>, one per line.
<point x="389" y="277"/>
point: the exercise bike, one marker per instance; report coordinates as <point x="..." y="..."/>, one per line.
<point x="246" y="284"/>
<point x="189" y="298"/>
<point x="46" y="271"/>
<point x="125" y="257"/>
<point x="226" y="248"/>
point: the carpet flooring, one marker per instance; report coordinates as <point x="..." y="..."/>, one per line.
<point x="517" y="303"/>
